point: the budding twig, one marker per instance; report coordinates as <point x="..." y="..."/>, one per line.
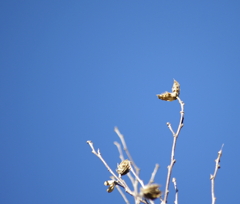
<point x="212" y="177"/>
<point x="119" y="181"/>
<point x="175" y="136"/>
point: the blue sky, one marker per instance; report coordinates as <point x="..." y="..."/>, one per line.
<point x="73" y="70"/>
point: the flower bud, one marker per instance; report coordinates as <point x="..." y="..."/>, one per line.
<point x="171" y="96"/>
<point x="167" y="96"/>
<point x="151" y="191"/>
<point x="111" y="185"/>
<point x="176" y="88"/>
<point x="124" y="167"/>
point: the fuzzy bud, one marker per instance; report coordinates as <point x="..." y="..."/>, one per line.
<point x="151" y="191"/>
<point x="111" y="185"/>
<point x="124" y="167"/>
<point x="171" y="96"/>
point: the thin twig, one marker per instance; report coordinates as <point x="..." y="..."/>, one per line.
<point x="126" y="149"/>
<point x="136" y="176"/>
<point x="153" y="174"/>
<point x="122" y="194"/>
<point x="175" y="136"/>
<point x="119" y="150"/>
<point x="212" y="177"/>
<point x="119" y="181"/>
<point x="174" y="180"/>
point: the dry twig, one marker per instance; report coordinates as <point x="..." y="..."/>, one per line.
<point x="174" y="180"/>
<point x="126" y="149"/>
<point x="175" y="136"/>
<point x="118" y="181"/>
<point x="153" y="174"/>
<point x="122" y="194"/>
<point x="212" y="177"/>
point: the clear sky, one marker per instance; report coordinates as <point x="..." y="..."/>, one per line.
<point x="70" y="71"/>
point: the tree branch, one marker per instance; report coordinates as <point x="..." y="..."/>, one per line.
<point x="212" y="177"/>
<point x="174" y="180"/>
<point x="175" y="136"/>
<point x="126" y="149"/>
<point x="153" y="174"/>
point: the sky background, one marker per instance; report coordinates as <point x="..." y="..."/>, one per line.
<point x="70" y="71"/>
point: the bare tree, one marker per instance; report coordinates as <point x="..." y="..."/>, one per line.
<point x="150" y="191"/>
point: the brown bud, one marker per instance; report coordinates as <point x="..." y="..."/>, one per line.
<point x="151" y="191"/>
<point x="167" y="96"/>
<point x="171" y="96"/>
<point x="124" y="167"/>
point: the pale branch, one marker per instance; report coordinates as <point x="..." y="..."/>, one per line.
<point x="175" y="136"/>
<point x="181" y="118"/>
<point x="126" y="149"/>
<point x="153" y="174"/>
<point x="136" y="176"/>
<point x="174" y="180"/>
<point x="119" y="150"/>
<point x="119" y="180"/>
<point x="122" y="194"/>
<point x="151" y="202"/>
<point x="212" y="177"/>
<point x="170" y="128"/>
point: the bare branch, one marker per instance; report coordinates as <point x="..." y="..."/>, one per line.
<point x="153" y="174"/>
<point x="122" y="194"/>
<point x="175" y="136"/>
<point x="126" y="149"/>
<point x="119" y="180"/>
<point x="174" y="180"/>
<point x="136" y="176"/>
<point x="170" y="128"/>
<point x="119" y="150"/>
<point x="212" y="177"/>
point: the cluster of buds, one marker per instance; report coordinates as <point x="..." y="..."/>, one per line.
<point x="173" y="95"/>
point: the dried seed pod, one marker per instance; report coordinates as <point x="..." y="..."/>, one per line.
<point x="167" y="96"/>
<point x="151" y="191"/>
<point x="176" y="87"/>
<point x="124" y="167"/>
<point x="111" y="185"/>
